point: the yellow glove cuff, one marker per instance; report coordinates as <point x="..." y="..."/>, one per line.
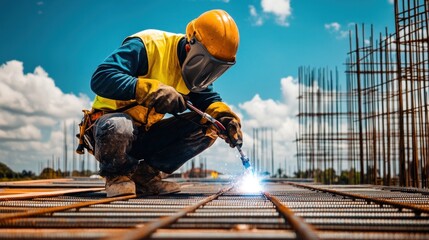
<point x="218" y="110"/>
<point x="144" y="87"/>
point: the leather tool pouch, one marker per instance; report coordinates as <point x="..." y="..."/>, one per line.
<point x="85" y="136"/>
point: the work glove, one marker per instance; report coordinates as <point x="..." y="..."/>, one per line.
<point x="234" y="136"/>
<point x="166" y="100"/>
<point x="163" y="98"/>
<point x="223" y="113"/>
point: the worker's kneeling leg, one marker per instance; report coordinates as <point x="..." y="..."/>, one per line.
<point x="172" y="142"/>
<point x="114" y="134"/>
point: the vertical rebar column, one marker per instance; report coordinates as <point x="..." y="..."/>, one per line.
<point x="359" y="105"/>
<point x="401" y="140"/>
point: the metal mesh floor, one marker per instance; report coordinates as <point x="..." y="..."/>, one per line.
<point x="79" y="209"/>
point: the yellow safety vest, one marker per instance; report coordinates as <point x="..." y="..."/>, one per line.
<point x="163" y="65"/>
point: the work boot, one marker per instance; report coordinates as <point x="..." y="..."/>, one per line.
<point x="119" y="186"/>
<point x="149" y="181"/>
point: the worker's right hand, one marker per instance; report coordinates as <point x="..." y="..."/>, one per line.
<point x="163" y="98"/>
<point x="166" y="100"/>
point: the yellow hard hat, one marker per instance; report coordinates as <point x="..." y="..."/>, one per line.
<point x="217" y="31"/>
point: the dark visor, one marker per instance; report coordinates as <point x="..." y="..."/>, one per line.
<point x="200" y="68"/>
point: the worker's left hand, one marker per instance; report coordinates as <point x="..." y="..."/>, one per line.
<point x="234" y="136"/>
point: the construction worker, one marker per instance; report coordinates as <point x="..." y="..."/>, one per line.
<point x="151" y="74"/>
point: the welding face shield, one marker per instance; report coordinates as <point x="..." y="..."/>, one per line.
<point x="200" y="68"/>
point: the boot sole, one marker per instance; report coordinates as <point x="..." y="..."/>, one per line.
<point x="121" y="189"/>
<point x="119" y="195"/>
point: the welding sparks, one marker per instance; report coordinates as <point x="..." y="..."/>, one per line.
<point x="249" y="183"/>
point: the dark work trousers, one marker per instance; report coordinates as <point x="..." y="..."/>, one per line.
<point x="169" y="143"/>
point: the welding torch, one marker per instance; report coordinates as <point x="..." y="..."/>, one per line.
<point x="222" y="130"/>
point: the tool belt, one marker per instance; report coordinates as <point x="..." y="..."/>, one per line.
<point x="86" y="136"/>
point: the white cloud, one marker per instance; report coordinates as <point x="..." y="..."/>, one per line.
<point x="351" y="25"/>
<point x="280" y="9"/>
<point x="391" y="1"/>
<point x="335" y="28"/>
<point x="24" y="133"/>
<point x="40" y="3"/>
<point x="256" y="18"/>
<point x="367" y="42"/>
<point x="33" y="111"/>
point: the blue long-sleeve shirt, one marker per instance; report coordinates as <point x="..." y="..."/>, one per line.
<point x="116" y="77"/>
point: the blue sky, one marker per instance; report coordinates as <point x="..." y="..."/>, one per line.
<point x="68" y="39"/>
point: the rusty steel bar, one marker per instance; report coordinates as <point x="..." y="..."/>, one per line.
<point x="417" y="209"/>
<point x="359" y="99"/>
<point x="31" y="195"/>
<point x="303" y="230"/>
<point x="11" y="216"/>
<point x="144" y="231"/>
<point x="233" y="215"/>
<point x="38" y="181"/>
<point x="401" y="146"/>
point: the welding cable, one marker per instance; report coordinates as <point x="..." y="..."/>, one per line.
<point x="219" y="126"/>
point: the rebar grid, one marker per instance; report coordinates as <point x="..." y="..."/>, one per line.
<point x="285" y="210"/>
<point x="377" y="130"/>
